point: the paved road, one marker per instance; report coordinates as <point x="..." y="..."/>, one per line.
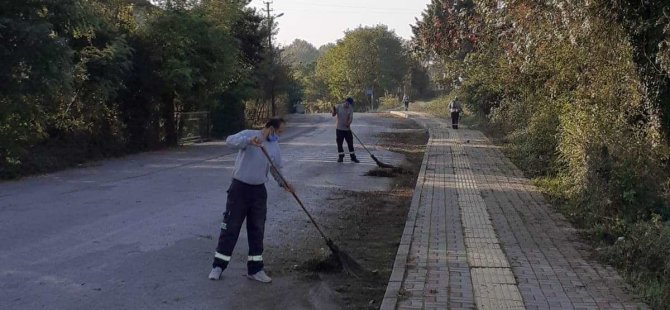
<point x="480" y="236"/>
<point x="139" y="232"/>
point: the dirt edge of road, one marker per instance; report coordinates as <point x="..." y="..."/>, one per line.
<point x="370" y="224"/>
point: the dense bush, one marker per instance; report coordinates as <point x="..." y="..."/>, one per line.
<point x="650" y="267"/>
<point x="389" y="102"/>
<point x="579" y="92"/>
<point x="89" y="79"/>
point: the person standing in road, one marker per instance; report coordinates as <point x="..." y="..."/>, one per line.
<point x="345" y="115"/>
<point x="455" y="109"/>
<point x="247" y="197"/>
<point x="405" y="101"/>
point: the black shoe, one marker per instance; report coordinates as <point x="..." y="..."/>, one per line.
<point x="355" y="160"/>
<point x="340" y="159"/>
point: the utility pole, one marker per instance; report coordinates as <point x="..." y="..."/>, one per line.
<point x="272" y="61"/>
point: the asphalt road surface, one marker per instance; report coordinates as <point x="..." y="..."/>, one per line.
<point x="140" y="232"/>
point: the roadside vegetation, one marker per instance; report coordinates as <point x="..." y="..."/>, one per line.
<point x="365" y="58"/>
<point x="579" y="94"/>
<point x="84" y="80"/>
<point x="89" y="79"/>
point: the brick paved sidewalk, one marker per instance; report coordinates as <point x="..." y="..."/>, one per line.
<point x="480" y="236"/>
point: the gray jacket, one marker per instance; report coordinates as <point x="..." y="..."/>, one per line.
<point x="251" y="166"/>
<point x="345" y="115"/>
<point x="455" y="106"/>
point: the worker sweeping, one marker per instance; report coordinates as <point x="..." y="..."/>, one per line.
<point x="455" y="109"/>
<point x="247" y="197"/>
<point x="405" y="101"/>
<point x="345" y="115"/>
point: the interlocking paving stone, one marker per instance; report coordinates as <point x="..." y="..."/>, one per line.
<point x="480" y="236"/>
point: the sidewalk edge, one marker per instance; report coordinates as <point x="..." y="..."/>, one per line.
<point x="399" y="266"/>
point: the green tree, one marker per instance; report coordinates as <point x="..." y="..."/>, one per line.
<point x="299" y="53"/>
<point x="366" y="57"/>
<point x="85" y="79"/>
<point x="229" y="110"/>
<point x="64" y="67"/>
<point x="34" y="70"/>
<point x="579" y="92"/>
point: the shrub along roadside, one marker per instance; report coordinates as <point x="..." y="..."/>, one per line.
<point x="640" y="250"/>
<point x="636" y="243"/>
<point x="579" y="94"/>
<point x="89" y="79"/>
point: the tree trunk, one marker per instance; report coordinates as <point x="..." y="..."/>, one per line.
<point x="171" y="138"/>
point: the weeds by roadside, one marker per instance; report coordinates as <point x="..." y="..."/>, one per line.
<point x="630" y="231"/>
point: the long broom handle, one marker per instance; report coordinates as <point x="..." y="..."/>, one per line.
<point x="265" y="152"/>
<point x="361" y="142"/>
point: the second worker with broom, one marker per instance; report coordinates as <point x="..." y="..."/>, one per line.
<point x="345" y="116"/>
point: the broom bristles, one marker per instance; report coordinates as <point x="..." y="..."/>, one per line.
<point x="348" y="263"/>
<point x="379" y="163"/>
<point x="351" y="266"/>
